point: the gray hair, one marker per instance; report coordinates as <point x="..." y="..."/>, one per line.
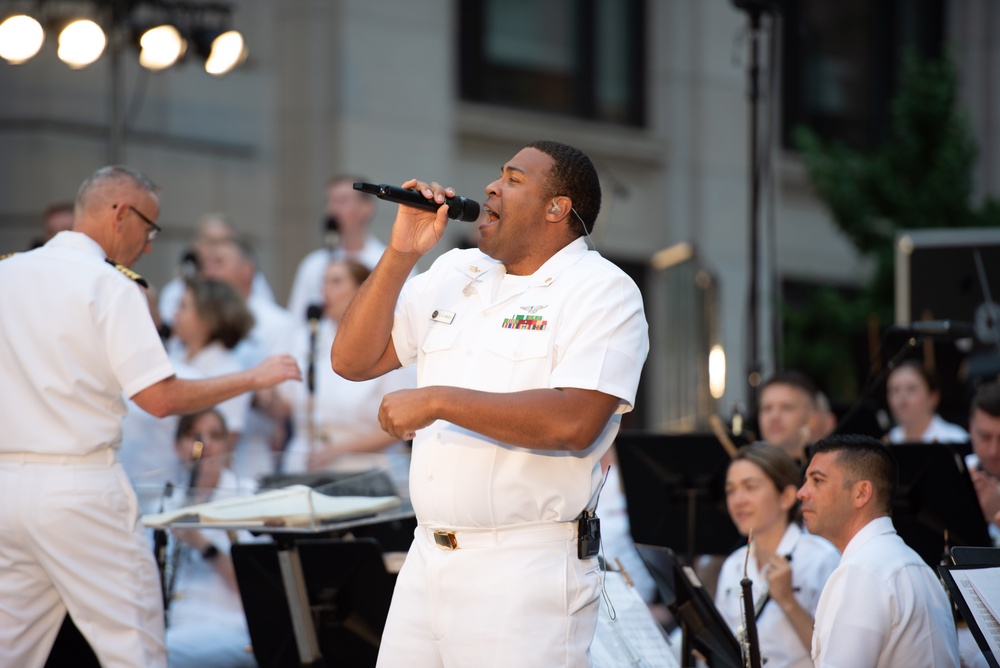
<point x="114" y="174"/>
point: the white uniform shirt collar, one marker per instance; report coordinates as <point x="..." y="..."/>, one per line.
<point x="877" y="527"/>
<point x="791" y="538"/>
<point x="78" y="241"/>
<point x="565" y="257"/>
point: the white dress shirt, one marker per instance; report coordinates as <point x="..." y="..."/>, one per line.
<point x="883" y="607"/>
<point x="938" y="431"/>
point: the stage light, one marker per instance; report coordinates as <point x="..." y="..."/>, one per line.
<point x="81" y="43"/>
<point x="20" y="38"/>
<point x="162" y="46"/>
<point x="717" y="372"/>
<point x="228" y="51"/>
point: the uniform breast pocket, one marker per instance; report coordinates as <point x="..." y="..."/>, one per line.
<point x="521" y="359"/>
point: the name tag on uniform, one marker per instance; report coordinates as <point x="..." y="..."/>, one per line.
<point x="442" y="316"/>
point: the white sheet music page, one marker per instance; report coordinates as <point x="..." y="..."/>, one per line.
<point x="981" y="587"/>
<point x="633" y="637"/>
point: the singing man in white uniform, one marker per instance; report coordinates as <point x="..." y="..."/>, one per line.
<point x="76" y="334"/>
<point x="528" y="350"/>
<point x="883" y="606"/>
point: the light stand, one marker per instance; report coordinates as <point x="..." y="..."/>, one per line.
<point x="755" y="10"/>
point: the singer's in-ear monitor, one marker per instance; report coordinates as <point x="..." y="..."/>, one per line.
<point x="555" y="208"/>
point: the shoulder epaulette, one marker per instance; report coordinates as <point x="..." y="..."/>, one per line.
<point x="128" y="272"/>
<point x="4" y="257"/>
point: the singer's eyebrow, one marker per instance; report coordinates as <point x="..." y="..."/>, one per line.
<point x="510" y="168"/>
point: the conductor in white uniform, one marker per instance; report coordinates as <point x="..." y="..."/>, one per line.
<point x="76" y="334"/>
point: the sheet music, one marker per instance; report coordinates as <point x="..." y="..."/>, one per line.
<point x="633" y="637"/>
<point x="975" y="583"/>
<point x="293" y="505"/>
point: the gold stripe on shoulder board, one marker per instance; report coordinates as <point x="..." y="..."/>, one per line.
<point x="128" y="272"/>
<point x="7" y="255"/>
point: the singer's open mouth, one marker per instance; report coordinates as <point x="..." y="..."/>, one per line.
<point x="491" y="215"/>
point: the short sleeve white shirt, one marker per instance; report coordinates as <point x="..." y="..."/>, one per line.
<point x="883" y="607"/>
<point x="75" y="335"/>
<point x="576" y="322"/>
<point x="813" y="559"/>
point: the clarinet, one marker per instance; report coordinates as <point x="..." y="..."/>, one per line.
<point x="749" y="642"/>
<point x="170" y="572"/>
<point x="160" y="545"/>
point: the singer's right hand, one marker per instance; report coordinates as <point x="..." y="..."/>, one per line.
<point x="417" y="231"/>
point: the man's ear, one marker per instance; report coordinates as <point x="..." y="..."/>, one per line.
<point x="862" y="493"/>
<point x="559" y="207"/>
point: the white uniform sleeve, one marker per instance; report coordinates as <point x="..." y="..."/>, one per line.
<point x="602" y="344"/>
<point x="135" y="352"/>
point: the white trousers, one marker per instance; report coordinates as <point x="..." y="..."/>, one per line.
<point x="526" y="605"/>
<point x="70" y="540"/>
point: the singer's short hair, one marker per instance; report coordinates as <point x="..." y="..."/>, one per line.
<point x="987" y="399"/>
<point x="573" y="175"/>
<point x="864" y="458"/>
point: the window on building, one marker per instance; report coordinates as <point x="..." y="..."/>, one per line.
<point x="582" y="58"/>
<point x="842" y="63"/>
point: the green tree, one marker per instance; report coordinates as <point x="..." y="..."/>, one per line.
<point x="920" y="177"/>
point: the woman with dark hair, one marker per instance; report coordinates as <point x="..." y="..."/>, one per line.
<point x="913" y="397"/>
<point x="210" y="321"/>
<point x="788" y="566"/>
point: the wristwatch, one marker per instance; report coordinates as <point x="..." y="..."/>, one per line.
<point x="210" y="552"/>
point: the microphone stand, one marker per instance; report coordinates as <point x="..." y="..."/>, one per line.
<point x="755" y="9"/>
<point x="175" y="553"/>
<point x="313" y="315"/>
<point x="160" y="546"/>
<point x="910" y="344"/>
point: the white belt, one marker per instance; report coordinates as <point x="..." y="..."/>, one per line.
<point x="102" y="456"/>
<point x="518" y="534"/>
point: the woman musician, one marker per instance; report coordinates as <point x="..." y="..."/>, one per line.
<point x="787" y="565"/>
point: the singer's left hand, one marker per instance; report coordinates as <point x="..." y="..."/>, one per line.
<point x="403" y="412"/>
<point x="779" y="578"/>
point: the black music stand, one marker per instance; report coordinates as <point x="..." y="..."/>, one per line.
<point x="675" y="492"/>
<point x="968" y="555"/>
<point x="935" y="498"/>
<point x="703" y="628"/>
<point x="348" y="591"/>
<point x="966" y="599"/>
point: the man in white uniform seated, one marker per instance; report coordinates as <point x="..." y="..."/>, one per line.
<point x="883" y="606"/>
<point x="528" y="350"/>
<point x="76" y="337"/>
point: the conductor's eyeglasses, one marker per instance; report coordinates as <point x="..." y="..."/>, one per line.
<point x="154" y="228"/>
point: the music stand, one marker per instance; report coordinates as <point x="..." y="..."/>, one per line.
<point x="967" y="599"/>
<point x="935" y="497"/>
<point x="968" y="555"/>
<point x="348" y="590"/>
<point x="675" y="492"/>
<point x="703" y="627"/>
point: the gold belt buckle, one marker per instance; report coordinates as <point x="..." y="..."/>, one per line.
<point x="446" y="540"/>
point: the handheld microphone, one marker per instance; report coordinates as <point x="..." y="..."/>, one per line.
<point x="945" y="329"/>
<point x="459" y="208"/>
